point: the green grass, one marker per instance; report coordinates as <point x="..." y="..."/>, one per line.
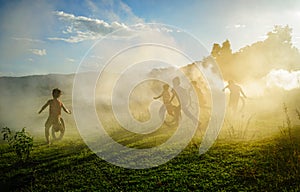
<point x="260" y="153"/>
<point x="230" y="165"/>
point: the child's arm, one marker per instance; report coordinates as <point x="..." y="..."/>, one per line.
<point x="44" y="106"/>
<point x="225" y="88"/>
<point x="174" y="94"/>
<point x="158" y="96"/>
<point x="243" y="93"/>
<point x="65" y="109"/>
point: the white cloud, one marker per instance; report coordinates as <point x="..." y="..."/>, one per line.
<point x="70" y="60"/>
<point x="235" y="26"/>
<point x="30" y="59"/>
<point x="113" y="10"/>
<point x="287" y="80"/>
<point x="166" y="29"/>
<point x="76" y="38"/>
<point x="114" y="15"/>
<point x="28" y="40"/>
<point x="40" y="52"/>
<point x="130" y="15"/>
<point x="81" y="28"/>
<point x="239" y="26"/>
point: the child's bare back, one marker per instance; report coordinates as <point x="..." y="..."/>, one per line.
<point x="54" y="118"/>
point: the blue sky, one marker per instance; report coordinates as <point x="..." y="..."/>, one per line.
<point x="41" y="37"/>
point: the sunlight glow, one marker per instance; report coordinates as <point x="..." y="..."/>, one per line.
<point x="287" y="80"/>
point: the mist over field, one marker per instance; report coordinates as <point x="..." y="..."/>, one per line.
<point x="158" y="95"/>
<point x="22" y="98"/>
<point x="260" y="69"/>
<point x="131" y="129"/>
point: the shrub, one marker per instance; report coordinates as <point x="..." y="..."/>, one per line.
<point x="21" y="142"/>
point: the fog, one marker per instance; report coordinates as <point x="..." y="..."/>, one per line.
<point x="22" y="98"/>
<point x="117" y="80"/>
<point x="288" y="80"/>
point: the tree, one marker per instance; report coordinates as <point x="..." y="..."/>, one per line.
<point x="215" y="52"/>
<point x="282" y="35"/>
<point x="226" y="48"/>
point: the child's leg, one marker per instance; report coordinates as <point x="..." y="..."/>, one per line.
<point x="162" y="112"/>
<point x="56" y="124"/>
<point x="176" y="114"/>
<point x="47" y="128"/>
<point x="169" y="108"/>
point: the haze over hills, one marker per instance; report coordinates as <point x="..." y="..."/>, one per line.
<point x="22" y="97"/>
<point x="38" y="85"/>
<point x="265" y="69"/>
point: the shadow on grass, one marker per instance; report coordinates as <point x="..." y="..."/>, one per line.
<point x="44" y="160"/>
<point x="265" y="165"/>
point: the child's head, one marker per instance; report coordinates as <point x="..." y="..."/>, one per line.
<point x="56" y="93"/>
<point x="165" y="86"/>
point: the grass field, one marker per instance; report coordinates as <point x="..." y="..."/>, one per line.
<point x="238" y="161"/>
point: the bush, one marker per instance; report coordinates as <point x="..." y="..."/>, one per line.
<point x="21" y="142"/>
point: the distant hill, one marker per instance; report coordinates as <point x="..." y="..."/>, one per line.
<point x="38" y="85"/>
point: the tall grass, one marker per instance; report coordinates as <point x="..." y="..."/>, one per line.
<point x="298" y="113"/>
<point x="286" y="130"/>
<point x="238" y="127"/>
<point x="288" y="148"/>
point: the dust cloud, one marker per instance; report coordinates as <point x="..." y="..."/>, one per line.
<point x="267" y="71"/>
<point x="22" y="98"/>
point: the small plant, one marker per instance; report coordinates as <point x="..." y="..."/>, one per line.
<point x="21" y="142"/>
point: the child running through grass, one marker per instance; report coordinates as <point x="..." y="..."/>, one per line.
<point x="167" y="100"/>
<point x="54" y="118"/>
<point x="235" y="95"/>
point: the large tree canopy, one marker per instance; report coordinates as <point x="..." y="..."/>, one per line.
<point x="256" y="60"/>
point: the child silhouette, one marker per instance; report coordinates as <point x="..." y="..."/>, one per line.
<point x="172" y="110"/>
<point x="235" y="94"/>
<point x="54" y="118"/>
<point x="166" y="99"/>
